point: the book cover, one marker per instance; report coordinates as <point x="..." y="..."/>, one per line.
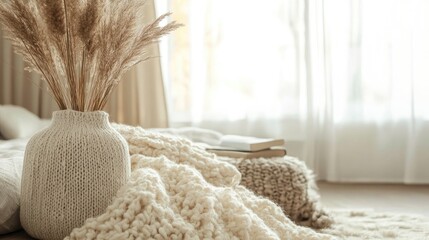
<point x="266" y="153"/>
<point x="244" y="143"/>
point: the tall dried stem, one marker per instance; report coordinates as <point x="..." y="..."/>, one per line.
<point x="81" y="47"/>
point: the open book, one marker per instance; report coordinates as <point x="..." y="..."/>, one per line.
<point x="244" y="143"/>
<point x="266" y="153"/>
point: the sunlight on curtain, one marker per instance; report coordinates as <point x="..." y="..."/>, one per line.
<point x="377" y="52"/>
<point x="368" y="116"/>
<point x="230" y="65"/>
<point x="343" y="81"/>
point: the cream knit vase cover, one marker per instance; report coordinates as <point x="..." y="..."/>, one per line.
<point x="71" y="172"/>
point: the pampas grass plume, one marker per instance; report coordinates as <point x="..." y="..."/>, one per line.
<point x="80" y="47"/>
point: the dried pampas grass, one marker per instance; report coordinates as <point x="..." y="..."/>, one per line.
<point x="80" y="47"/>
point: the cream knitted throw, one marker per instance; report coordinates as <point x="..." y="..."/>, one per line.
<point x="284" y="180"/>
<point x="178" y="191"/>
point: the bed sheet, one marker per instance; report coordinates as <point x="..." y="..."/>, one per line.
<point x="11" y="159"/>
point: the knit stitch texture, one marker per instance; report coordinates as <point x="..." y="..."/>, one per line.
<point x="287" y="182"/>
<point x="178" y="191"/>
<point x="71" y="172"/>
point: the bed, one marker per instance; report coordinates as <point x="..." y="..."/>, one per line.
<point x="11" y="158"/>
<point x="17" y="125"/>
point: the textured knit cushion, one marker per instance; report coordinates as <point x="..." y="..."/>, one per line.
<point x="287" y="182"/>
<point x="17" y="122"/>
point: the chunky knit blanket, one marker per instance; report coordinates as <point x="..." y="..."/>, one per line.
<point x="284" y="180"/>
<point x="178" y="191"/>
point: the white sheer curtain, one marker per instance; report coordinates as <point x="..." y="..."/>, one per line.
<point x="343" y="81"/>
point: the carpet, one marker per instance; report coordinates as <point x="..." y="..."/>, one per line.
<point x="369" y="224"/>
<point x="353" y="225"/>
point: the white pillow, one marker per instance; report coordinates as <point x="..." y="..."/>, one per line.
<point x="17" y="122"/>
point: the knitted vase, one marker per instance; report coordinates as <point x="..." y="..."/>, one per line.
<point x="72" y="170"/>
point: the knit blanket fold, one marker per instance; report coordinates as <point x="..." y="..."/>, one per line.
<point x="179" y="191"/>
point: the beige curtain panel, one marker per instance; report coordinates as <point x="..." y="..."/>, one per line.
<point x="19" y="87"/>
<point x="138" y="100"/>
